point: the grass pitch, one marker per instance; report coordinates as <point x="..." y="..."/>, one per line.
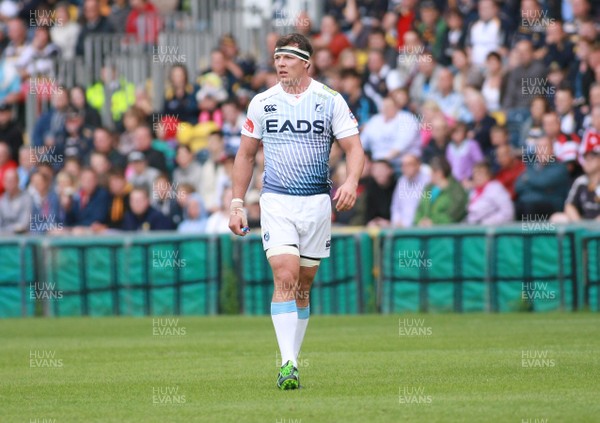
<point x="451" y="368"/>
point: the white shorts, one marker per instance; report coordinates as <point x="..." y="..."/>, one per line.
<point x="304" y="221"/>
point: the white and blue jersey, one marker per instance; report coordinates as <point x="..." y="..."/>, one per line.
<point x="297" y="132"/>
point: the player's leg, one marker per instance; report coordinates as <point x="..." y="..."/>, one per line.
<point x="285" y="264"/>
<point x="315" y="242"/>
<point x="280" y="241"/>
<point x="308" y="270"/>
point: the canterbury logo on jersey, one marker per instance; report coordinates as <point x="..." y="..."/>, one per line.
<point x="270" y="108"/>
<point x="298" y="127"/>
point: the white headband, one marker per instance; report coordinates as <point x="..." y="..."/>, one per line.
<point x="294" y="51"/>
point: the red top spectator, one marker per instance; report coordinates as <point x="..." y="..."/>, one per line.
<point x="6" y="163"/>
<point x="510" y="168"/>
<point x="143" y="21"/>
<point x="330" y="37"/>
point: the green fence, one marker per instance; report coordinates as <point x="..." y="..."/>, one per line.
<point x="343" y="285"/>
<point x="454" y="268"/>
<point x="480" y="269"/>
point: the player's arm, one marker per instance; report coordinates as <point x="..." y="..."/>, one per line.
<point x="243" y="167"/>
<point x="345" y="130"/>
<point x="355" y="161"/>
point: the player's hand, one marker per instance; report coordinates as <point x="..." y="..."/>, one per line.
<point x="238" y="222"/>
<point x="345" y="196"/>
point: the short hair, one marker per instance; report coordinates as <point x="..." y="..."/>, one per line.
<point x="440" y="163"/>
<point x="485" y="165"/>
<point x="350" y="73"/>
<point x="141" y="188"/>
<point x="294" y="38"/>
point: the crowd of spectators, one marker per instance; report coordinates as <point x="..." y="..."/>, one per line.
<point x="481" y="112"/>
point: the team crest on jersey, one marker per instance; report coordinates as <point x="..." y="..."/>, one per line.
<point x="319" y="107"/>
<point x="327" y="244"/>
<point x="352" y="116"/>
<point x="270" y="108"/>
<point x="266" y="236"/>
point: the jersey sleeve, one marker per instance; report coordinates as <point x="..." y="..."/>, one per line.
<point x="252" y="126"/>
<point x="344" y="123"/>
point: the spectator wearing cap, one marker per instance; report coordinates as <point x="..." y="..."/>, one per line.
<point x="409" y="191"/>
<point x="6" y="163"/>
<point x="195" y="216"/>
<point x="443" y="200"/>
<point x="139" y="173"/>
<point x="489" y="202"/>
<point x="541" y="190"/>
<point x="142" y="141"/>
<point x="92" y="22"/>
<point x="141" y="216"/>
<point x="391" y="134"/>
<point x="488" y="33"/>
<point x="89" y="204"/>
<point x="15" y="205"/>
<point x="10" y="133"/>
<point x="180" y="100"/>
<point x="462" y="154"/>
<point x="362" y="106"/>
<point x="566" y="146"/>
<point x="583" y="201"/>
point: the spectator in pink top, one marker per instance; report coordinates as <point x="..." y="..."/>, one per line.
<point x="462" y="153"/>
<point x="489" y="201"/>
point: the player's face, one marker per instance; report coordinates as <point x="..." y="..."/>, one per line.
<point x="290" y="69"/>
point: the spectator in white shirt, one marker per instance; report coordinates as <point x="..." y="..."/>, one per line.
<point x="409" y="189"/>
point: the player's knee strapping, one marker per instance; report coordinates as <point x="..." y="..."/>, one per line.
<point x="283" y="249"/>
<point x="309" y="262"/>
